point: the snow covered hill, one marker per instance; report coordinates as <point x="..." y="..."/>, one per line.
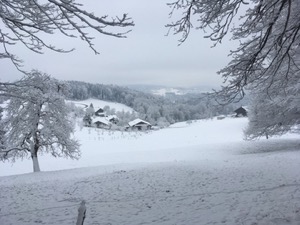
<point x="101" y="104"/>
<point x="181" y="141"/>
<point x="188" y="174"/>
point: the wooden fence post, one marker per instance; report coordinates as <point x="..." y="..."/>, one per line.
<point x="81" y="213"/>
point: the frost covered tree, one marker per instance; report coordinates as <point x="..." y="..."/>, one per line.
<point x="37" y="120"/>
<point x="276" y="109"/>
<point x="28" y="21"/>
<point x="90" y="111"/>
<point x="268" y="33"/>
<point x="273" y="116"/>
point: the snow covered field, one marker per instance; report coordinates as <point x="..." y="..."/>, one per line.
<point x="199" y="173"/>
<point x="101" y="104"/>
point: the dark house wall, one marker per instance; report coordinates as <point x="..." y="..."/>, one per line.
<point x="240" y="112"/>
<point x="99" y="112"/>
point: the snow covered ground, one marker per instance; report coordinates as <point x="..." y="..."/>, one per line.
<point x="199" y="173"/>
<point x="101" y="104"/>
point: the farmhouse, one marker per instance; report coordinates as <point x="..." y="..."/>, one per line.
<point x="113" y="119"/>
<point x="241" y="112"/>
<point x="139" y="124"/>
<point x="100" y="112"/>
<point x="102" y="123"/>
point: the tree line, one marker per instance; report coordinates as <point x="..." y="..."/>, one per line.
<point x="155" y="109"/>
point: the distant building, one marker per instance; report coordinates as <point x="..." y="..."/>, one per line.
<point x="100" y="112"/>
<point x="139" y="124"/>
<point x="113" y="119"/>
<point x="101" y="123"/>
<point x="241" y="112"/>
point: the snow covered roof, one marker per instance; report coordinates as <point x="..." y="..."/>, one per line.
<point x="100" y="110"/>
<point x="243" y="107"/>
<point x="137" y="121"/>
<point x="101" y="120"/>
<point x="112" y="117"/>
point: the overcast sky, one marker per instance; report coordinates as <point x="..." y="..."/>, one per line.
<point x="147" y="56"/>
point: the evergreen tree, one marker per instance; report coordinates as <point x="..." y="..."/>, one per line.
<point x="90" y="111"/>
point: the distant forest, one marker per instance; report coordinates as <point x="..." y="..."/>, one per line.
<point x="157" y="110"/>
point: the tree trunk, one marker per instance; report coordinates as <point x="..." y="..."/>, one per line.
<point x="35" y="147"/>
<point x="36" y="166"/>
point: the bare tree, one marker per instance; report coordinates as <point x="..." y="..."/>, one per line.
<point x="268" y="33"/>
<point x="37" y="121"/>
<point x="27" y="20"/>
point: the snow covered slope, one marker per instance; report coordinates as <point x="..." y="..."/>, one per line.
<point x="202" y="140"/>
<point x="182" y="141"/>
<point x="188" y="174"/>
<point x="100" y="104"/>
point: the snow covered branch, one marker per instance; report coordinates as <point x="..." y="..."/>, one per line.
<point x="26" y="21"/>
<point x="268" y="33"/>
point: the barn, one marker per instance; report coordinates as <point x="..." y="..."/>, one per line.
<point x="139" y="124"/>
<point x="240" y="112"/>
<point x="101" y="123"/>
<point x="113" y="119"/>
<point x="100" y="112"/>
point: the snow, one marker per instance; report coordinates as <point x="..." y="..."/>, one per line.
<point x="190" y="173"/>
<point x="137" y="121"/>
<point x="103" y="120"/>
<point x="165" y="91"/>
<point x="101" y="104"/>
